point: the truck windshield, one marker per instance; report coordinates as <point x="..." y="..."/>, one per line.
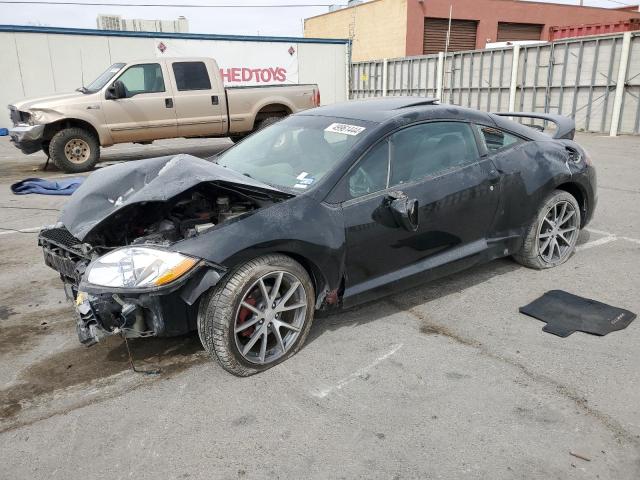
<point x="104" y="78"/>
<point x="296" y="152"/>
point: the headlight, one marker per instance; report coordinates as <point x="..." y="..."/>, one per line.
<point x="138" y="267"/>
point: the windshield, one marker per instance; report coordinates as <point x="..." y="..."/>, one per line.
<point x="104" y="78"/>
<point x="296" y="152"/>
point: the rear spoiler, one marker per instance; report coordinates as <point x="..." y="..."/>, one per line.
<point x="565" y="126"/>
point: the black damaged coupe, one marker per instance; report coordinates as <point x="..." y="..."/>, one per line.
<point x="325" y="209"/>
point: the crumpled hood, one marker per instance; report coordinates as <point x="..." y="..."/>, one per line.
<point x="110" y="189"/>
<point x="49" y="101"/>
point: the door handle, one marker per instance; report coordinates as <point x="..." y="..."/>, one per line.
<point x="168" y="102"/>
<point x="214" y="100"/>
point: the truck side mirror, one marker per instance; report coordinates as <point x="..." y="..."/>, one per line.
<point x="116" y="90"/>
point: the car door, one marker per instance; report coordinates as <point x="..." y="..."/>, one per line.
<point x="514" y="157"/>
<point x="200" y="102"/>
<point x="439" y="165"/>
<point x="147" y="111"/>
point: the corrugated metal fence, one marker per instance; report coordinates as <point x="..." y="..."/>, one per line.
<point x="575" y="77"/>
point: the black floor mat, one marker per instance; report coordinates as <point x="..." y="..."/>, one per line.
<point x="565" y="313"/>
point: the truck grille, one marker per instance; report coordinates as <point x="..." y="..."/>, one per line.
<point x="17" y="116"/>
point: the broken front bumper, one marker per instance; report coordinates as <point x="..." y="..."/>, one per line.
<point x="27" y="138"/>
<point x="101" y="311"/>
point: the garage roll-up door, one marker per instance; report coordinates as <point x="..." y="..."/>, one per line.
<point x="463" y="35"/>
<point x="510" y="32"/>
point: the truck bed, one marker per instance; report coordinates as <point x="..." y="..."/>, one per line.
<point x="249" y="103"/>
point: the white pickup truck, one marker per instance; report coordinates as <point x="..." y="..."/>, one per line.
<point x="145" y="101"/>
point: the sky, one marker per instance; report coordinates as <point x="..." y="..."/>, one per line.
<point x="237" y="21"/>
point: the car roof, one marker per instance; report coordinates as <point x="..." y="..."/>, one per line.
<point x="383" y="109"/>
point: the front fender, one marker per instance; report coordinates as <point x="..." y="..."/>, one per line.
<point x="310" y="232"/>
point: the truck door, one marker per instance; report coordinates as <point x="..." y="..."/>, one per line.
<point x="201" y="108"/>
<point x="146" y="111"/>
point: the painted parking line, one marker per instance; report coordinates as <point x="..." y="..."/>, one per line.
<point x="608" y="238"/>
<point x="357" y="374"/>
<point x="596" y="243"/>
<point x="20" y="230"/>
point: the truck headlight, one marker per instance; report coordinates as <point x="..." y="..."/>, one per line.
<point x="138" y="267"/>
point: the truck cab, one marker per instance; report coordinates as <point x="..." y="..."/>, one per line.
<point x="145" y="101"/>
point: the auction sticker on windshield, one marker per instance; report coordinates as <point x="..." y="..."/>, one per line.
<point x="344" y="128"/>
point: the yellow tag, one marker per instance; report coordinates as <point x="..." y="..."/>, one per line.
<point x="80" y="298"/>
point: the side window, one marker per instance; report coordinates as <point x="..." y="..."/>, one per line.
<point x="191" y="76"/>
<point x="430" y="148"/>
<point x="371" y="173"/>
<point x="496" y="140"/>
<point x="144" y="78"/>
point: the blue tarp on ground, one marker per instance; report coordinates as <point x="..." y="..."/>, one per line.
<point x="47" y="187"/>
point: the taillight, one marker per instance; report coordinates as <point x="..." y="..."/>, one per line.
<point x="316" y="97"/>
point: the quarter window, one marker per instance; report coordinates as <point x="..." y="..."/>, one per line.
<point x="143" y="78"/>
<point x="496" y="140"/>
<point x="431" y="148"/>
<point x="191" y="76"/>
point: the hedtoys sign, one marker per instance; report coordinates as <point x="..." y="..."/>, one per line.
<point x="241" y="63"/>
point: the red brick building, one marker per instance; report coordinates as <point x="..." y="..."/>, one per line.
<point x="396" y="28"/>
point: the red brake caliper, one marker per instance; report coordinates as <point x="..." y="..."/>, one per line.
<point x="243" y="314"/>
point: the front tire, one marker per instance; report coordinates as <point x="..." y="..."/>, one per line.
<point x="258" y="315"/>
<point x="74" y="150"/>
<point x="551" y="238"/>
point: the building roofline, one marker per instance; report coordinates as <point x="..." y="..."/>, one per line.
<point x="527" y="2"/>
<point x="345" y="7"/>
<point x="181" y="36"/>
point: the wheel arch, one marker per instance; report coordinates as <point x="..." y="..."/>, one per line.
<point x="54" y="127"/>
<point x="279" y="107"/>
<point x="319" y="279"/>
<point x="578" y="192"/>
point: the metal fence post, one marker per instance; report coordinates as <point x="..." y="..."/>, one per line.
<point x="439" y="75"/>
<point x="622" y="78"/>
<point x="513" y="86"/>
<point x="384" y="77"/>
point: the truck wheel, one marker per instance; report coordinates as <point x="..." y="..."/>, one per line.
<point x="265" y="122"/>
<point x="551" y="238"/>
<point x="258" y="315"/>
<point x="74" y="150"/>
<point x="236" y="138"/>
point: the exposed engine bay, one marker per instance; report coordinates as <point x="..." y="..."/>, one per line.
<point x="117" y="244"/>
<point x="191" y="213"/>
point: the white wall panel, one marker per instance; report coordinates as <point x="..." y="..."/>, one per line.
<point x="39" y="63"/>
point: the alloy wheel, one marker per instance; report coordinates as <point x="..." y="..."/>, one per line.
<point x="270" y="317"/>
<point x="558" y="232"/>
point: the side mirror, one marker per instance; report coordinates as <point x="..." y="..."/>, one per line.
<point x="405" y="211"/>
<point x="116" y="90"/>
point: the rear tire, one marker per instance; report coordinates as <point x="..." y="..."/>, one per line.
<point x="234" y="334"/>
<point x="551" y="238"/>
<point x="266" y="121"/>
<point x="74" y="150"/>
